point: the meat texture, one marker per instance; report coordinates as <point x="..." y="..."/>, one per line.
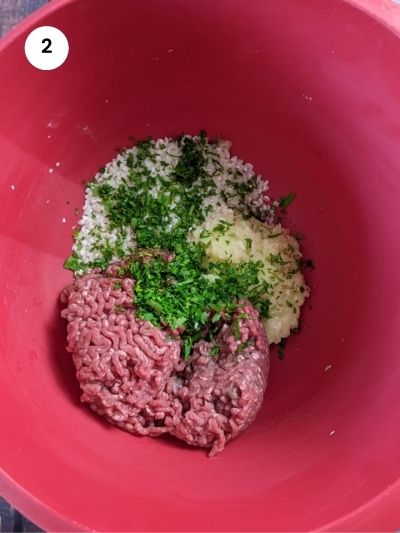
<point x="222" y="394"/>
<point x="133" y="374"/>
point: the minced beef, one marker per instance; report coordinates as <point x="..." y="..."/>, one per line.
<point x="133" y="374"/>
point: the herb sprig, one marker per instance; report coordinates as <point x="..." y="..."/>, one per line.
<point x="180" y="294"/>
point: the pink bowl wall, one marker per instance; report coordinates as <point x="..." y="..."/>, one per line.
<point x="309" y="92"/>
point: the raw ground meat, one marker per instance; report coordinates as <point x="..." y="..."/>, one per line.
<point x="221" y="395"/>
<point x="123" y="364"/>
<point x="133" y="374"/>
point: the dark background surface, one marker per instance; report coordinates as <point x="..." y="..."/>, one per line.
<point x="11" y="12"/>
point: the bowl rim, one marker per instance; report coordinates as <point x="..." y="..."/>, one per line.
<point x="383" y="507"/>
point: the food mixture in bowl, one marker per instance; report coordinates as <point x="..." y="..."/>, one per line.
<point x="183" y="278"/>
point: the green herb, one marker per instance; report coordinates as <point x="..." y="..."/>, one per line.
<point x="285" y="201"/>
<point x="248" y="244"/>
<point x="264" y="307"/>
<point x="222" y="227"/>
<point x="215" y="351"/>
<point x="179" y="293"/>
<point x="191" y="163"/>
<point x="107" y="253"/>
<point x="147" y="215"/>
<point x="276" y="259"/>
<point x="204" y="234"/>
<point x="144" y="150"/>
<point x="216" y="318"/>
<point x="72" y="263"/>
<point x="243" y="345"/>
<point x="273" y="236"/>
<point x="243" y="188"/>
<point x="129" y="160"/>
<point x="236" y="329"/>
<point x="187" y="347"/>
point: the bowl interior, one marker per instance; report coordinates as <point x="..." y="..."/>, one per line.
<point x="308" y="92"/>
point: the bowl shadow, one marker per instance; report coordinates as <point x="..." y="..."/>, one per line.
<point x="60" y="360"/>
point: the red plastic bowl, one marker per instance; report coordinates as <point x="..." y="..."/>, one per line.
<point x="309" y="91"/>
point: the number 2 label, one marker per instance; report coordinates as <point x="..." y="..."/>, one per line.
<point x="46" y="49"/>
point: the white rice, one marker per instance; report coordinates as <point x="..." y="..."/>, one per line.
<point x="95" y="231"/>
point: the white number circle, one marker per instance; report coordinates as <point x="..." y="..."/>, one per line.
<point x="46" y="48"/>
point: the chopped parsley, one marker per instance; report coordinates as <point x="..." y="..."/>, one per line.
<point x="285" y="201"/>
<point x="275" y="235"/>
<point x="72" y="263"/>
<point x="222" y="227"/>
<point x="236" y="329"/>
<point x="178" y="293"/>
<point x="144" y="150"/>
<point x="129" y="161"/>
<point x="204" y="234"/>
<point x="187" y="347"/>
<point x="214" y="350"/>
<point x="276" y="259"/>
<point x="243" y="345"/>
<point x="191" y="163"/>
<point x="144" y="204"/>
